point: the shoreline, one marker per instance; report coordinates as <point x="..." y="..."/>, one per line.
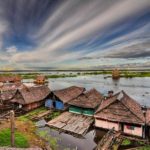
<point x="123" y="74"/>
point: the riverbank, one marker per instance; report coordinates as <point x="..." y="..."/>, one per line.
<point x="26" y="131"/>
<point x="25" y="136"/>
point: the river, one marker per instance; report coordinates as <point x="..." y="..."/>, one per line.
<point x="138" y="88"/>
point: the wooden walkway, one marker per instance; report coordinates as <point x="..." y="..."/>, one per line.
<point x="72" y="123"/>
<point x="110" y="139"/>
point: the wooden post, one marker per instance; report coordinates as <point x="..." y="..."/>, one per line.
<point x="12" y="122"/>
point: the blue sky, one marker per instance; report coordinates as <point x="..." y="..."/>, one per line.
<point x="67" y="34"/>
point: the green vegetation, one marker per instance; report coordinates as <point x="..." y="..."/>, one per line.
<point x="31" y="114"/>
<point x="53" y="141"/>
<point x="34" y="113"/>
<point x="126" y="142"/>
<point x="20" y="140"/>
<point x="139" y="145"/>
<point x="52" y="115"/>
<point x="128" y="74"/>
<point x="61" y="76"/>
<point x="124" y="73"/>
<point x="144" y="148"/>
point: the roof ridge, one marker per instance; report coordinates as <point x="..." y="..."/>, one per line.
<point x="100" y="109"/>
<point x="129" y="108"/>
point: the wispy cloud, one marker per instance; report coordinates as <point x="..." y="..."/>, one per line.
<point x="53" y="33"/>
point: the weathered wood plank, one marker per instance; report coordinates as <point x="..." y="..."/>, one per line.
<point x="73" y="123"/>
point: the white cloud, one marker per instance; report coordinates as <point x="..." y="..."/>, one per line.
<point x="71" y="22"/>
<point x="11" y="49"/>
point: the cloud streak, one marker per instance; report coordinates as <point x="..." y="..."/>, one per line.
<point x="50" y="33"/>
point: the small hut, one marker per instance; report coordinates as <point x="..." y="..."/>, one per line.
<point x="121" y="112"/>
<point x="86" y="103"/>
<point x="10" y="79"/>
<point x="116" y="74"/>
<point x="40" y="79"/>
<point x="59" y="99"/>
<point x="29" y="98"/>
<point x="10" y="86"/>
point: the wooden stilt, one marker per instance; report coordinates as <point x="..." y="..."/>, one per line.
<point x="12" y="121"/>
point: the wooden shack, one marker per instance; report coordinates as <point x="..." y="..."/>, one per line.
<point x="116" y="74"/>
<point x="40" y="79"/>
<point x="121" y="112"/>
<point x="10" y="86"/>
<point x="86" y="103"/>
<point x="10" y="79"/>
<point x="29" y="98"/>
<point x="7" y="96"/>
<point x="59" y="99"/>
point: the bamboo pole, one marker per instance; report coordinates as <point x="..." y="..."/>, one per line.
<point x="12" y="121"/>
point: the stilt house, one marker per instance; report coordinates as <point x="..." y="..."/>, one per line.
<point x="86" y="103"/>
<point x="40" y="79"/>
<point x="30" y="97"/>
<point x="123" y="113"/>
<point x="59" y="99"/>
<point x="10" y="86"/>
<point x="116" y="74"/>
<point x="10" y="79"/>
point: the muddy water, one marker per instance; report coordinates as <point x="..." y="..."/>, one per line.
<point x="68" y="142"/>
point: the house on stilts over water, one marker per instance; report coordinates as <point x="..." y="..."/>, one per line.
<point x="123" y="113"/>
<point x="10" y="79"/>
<point x="40" y="79"/>
<point x="86" y="103"/>
<point x="116" y="74"/>
<point x="59" y="99"/>
<point x="29" y="98"/>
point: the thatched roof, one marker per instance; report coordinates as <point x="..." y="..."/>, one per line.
<point x="121" y="108"/>
<point x="40" y="77"/>
<point x="15" y="78"/>
<point x="29" y="95"/>
<point x="10" y="86"/>
<point x="7" y="95"/>
<point x="69" y="93"/>
<point x="89" y="99"/>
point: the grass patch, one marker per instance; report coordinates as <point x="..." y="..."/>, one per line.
<point x="29" y="115"/>
<point x="61" y="76"/>
<point x="52" y="115"/>
<point x="53" y="141"/>
<point x="126" y="142"/>
<point x="20" y="140"/>
<point x="145" y="148"/>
